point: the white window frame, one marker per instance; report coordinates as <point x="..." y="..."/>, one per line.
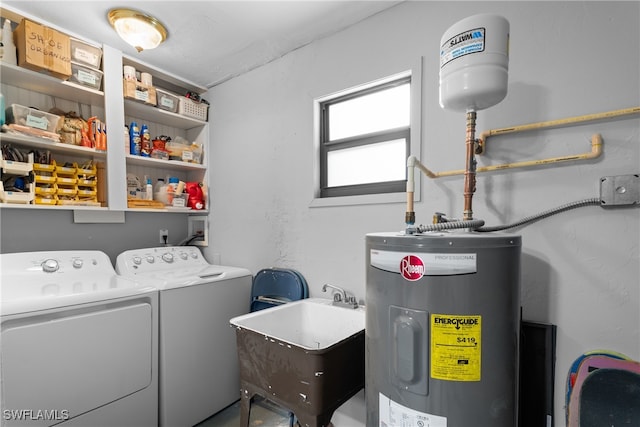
<point x="415" y="141"/>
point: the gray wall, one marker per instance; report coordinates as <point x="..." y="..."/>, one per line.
<point x="25" y="230"/>
<point x="580" y="269"/>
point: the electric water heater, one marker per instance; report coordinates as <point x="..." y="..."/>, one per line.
<point x="442" y="329"/>
<point x="474" y="62"/>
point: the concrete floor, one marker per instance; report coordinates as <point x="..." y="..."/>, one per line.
<point x="263" y="414"/>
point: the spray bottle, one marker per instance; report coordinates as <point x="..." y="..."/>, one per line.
<point x="145" y="141"/>
<point x="134" y="139"/>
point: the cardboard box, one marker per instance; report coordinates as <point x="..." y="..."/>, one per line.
<point x="139" y="92"/>
<point x="42" y="48"/>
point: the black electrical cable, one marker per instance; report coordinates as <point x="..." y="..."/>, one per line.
<point x="188" y="240"/>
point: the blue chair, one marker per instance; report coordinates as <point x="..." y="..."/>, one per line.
<point x="275" y="286"/>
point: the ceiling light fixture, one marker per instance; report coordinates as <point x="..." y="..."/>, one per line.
<point x="137" y="28"/>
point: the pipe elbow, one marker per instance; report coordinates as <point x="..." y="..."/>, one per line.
<point x="413" y="162"/>
<point x="481" y="142"/>
<point x="596" y="145"/>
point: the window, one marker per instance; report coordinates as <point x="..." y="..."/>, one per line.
<point x="365" y="139"/>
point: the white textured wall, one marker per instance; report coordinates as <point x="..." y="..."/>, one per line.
<point x="580" y="269"/>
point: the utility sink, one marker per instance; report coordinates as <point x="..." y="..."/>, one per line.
<point x="311" y="324"/>
<point x="306" y="356"/>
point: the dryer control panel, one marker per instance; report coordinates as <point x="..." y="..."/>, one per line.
<point x="33" y="264"/>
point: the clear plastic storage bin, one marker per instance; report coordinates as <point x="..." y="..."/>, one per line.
<point x="31" y="117"/>
<point x="167" y="101"/>
<point x="86" y="76"/>
<point x="85" y="53"/>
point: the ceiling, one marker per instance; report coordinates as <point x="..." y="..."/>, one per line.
<point x="209" y="41"/>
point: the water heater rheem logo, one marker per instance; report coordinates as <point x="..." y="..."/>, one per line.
<point x="412" y="268"/>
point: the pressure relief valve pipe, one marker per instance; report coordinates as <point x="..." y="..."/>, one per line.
<point x="410" y="215"/>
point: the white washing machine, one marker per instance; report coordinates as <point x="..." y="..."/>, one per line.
<point x="78" y="344"/>
<point x="199" y="373"/>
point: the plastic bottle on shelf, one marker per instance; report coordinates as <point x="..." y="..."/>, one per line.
<point x="159" y="185"/>
<point x="134" y="139"/>
<point x="173" y="183"/>
<point x="127" y="142"/>
<point x="145" y="141"/>
<point x="171" y="189"/>
<point x="102" y="142"/>
<point x="149" y="189"/>
<point x="160" y="191"/>
<point x="8" y="47"/>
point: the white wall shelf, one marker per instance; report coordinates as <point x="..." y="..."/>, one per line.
<point x="35" y="87"/>
<point x="148" y="112"/>
<point x="168" y="164"/>
<point x="56" y="207"/>
<point x="57" y="147"/>
<point x="38" y="82"/>
<point x="164" y="79"/>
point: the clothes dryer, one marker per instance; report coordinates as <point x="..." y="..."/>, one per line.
<point x="199" y="372"/>
<point x="79" y="343"/>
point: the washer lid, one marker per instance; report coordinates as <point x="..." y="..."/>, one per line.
<point x="169" y="267"/>
<point x="192" y="276"/>
<point x="33" y="281"/>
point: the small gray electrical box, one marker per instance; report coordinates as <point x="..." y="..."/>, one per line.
<point x="620" y="190"/>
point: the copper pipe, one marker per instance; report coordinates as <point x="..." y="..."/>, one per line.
<point x="470" y="169"/>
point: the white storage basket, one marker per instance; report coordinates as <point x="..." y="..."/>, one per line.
<point x="197" y="110"/>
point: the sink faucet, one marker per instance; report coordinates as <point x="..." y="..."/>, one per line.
<point x="341" y="298"/>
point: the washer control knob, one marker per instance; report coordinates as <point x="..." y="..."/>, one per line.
<point x="194" y="255"/>
<point x="137" y="260"/>
<point x="183" y="255"/>
<point x="77" y="263"/>
<point x="151" y="259"/>
<point x="167" y="257"/>
<point x="50" y="265"/>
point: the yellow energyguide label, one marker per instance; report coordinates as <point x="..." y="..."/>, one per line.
<point x="456" y="347"/>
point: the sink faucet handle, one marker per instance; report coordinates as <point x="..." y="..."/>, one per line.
<point x="340" y="296"/>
